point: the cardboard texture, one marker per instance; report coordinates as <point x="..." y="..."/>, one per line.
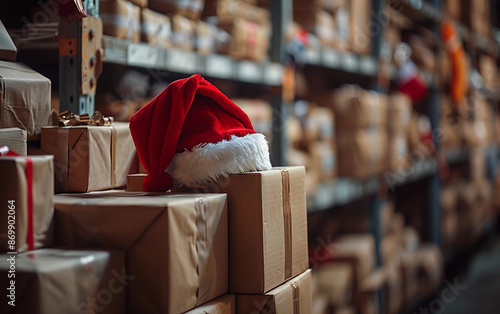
<point x="182" y="32"/>
<point x="360" y="30"/>
<point x="319" y="124"/>
<point x="15" y="139"/>
<point x="206" y="37"/>
<point x="155" y="28"/>
<point x="134" y="182"/>
<point x="176" y="245"/>
<point x="361" y="153"/>
<point x="400" y="109"/>
<point x="89" y="158"/>
<point x="191" y="9"/>
<point x="53" y="280"/>
<point x="14" y="187"/>
<point x="292" y="297"/>
<point x="267" y="227"/>
<point x="24" y="98"/>
<point x="231" y="9"/>
<point x="336" y="281"/>
<point x="121" y="19"/>
<point x="8" y="51"/>
<point x="323" y="157"/>
<point x="222" y="305"/>
<point x="399" y="152"/>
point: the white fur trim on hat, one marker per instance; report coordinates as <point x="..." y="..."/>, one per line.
<point x="210" y="161"/>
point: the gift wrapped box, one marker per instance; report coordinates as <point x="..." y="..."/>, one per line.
<point x="120" y="19"/>
<point x="15" y="139"/>
<point x="176" y="245"/>
<point x="222" y="305"/>
<point x="267" y="227"/>
<point x="26" y="189"/>
<point x="89" y="158"/>
<point x="156" y="28"/>
<point x="51" y="280"/>
<point x="24" y="98"/>
<point x="294" y="296"/>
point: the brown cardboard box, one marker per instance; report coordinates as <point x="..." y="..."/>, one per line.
<point x="15" y="139"/>
<point x="475" y="133"/>
<point x="319" y="124"/>
<point x="8" y="51"/>
<point x="300" y="158"/>
<point x="24" y="98"/>
<point x="205" y="41"/>
<point x="488" y="70"/>
<point x="408" y="267"/>
<point x="134" y="182"/>
<point x="390" y="246"/>
<point x="155" y="28"/>
<point x="323" y="158"/>
<point x="449" y="228"/>
<point x="356" y="108"/>
<point x="361" y="153"/>
<point x="366" y="296"/>
<point x="294" y="296"/>
<point x="360" y="27"/>
<point x="430" y="268"/>
<point x="452" y="8"/>
<point x="176" y="245"/>
<point x="140" y="3"/>
<point x="222" y="305"/>
<point x="267" y="227"/>
<point x="182" y="32"/>
<point x="120" y="19"/>
<point x="393" y="288"/>
<point x="448" y="198"/>
<point x="399" y="113"/>
<point x="230" y="9"/>
<point x="325" y="28"/>
<point x="14" y="193"/>
<point x="89" y="158"/>
<point x="191" y="9"/>
<point x="52" y="280"/>
<point x="477" y="164"/>
<point x="399" y="152"/>
<point x="336" y="281"/>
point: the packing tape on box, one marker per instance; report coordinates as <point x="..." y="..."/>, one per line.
<point x="287" y="218"/>
<point x="296" y="297"/>
<point x="117" y="20"/>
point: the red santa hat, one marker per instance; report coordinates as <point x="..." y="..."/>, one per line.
<point x="191" y="133"/>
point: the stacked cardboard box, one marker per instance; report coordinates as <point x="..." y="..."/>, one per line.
<point x="449" y="217"/>
<point x="121" y="19"/>
<point x="400" y="111"/>
<point x="476" y="16"/>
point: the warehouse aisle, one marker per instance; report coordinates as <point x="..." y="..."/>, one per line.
<point x="481" y="291"/>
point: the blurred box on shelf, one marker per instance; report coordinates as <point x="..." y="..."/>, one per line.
<point x="320" y="303"/>
<point x="225" y="304"/>
<point x="189" y="8"/>
<point x="319" y="124"/>
<point x="366" y="295"/>
<point x="139" y="3"/>
<point x="430" y="265"/>
<point x="297" y="158"/>
<point x="408" y="270"/>
<point x="294" y="296"/>
<point x="393" y="288"/>
<point x="475" y="133"/>
<point x="399" y="152"/>
<point x="448" y="198"/>
<point x="478" y="164"/>
<point x="120" y="19"/>
<point x="422" y="53"/>
<point x="336" y="282"/>
<point x="267" y="227"/>
<point x="399" y="113"/>
<point x="205" y="37"/>
<point x="155" y="28"/>
<point x="452" y="8"/>
<point x="360" y="26"/>
<point x="361" y="152"/>
<point x="324" y="159"/>
<point x="230" y="9"/>
<point x="89" y="158"/>
<point x="449" y="137"/>
<point x="260" y="114"/>
<point x="26" y="189"/>
<point x="24" y="98"/>
<point x="52" y="280"/>
<point x="8" y="50"/>
<point x="15" y="139"/>
<point x="134" y="182"/>
<point x="449" y="229"/>
<point x="182" y="32"/>
<point x="476" y="16"/>
<point x="488" y="70"/>
<point x="136" y="222"/>
<point x="294" y="133"/>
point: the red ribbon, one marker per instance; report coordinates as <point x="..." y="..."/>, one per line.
<point x="29" y="182"/>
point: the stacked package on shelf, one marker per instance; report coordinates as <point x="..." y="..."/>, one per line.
<point x="400" y="111"/>
<point x="476" y="16"/>
<point x="361" y="131"/>
<point x="451" y="137"/>
<point x="190" y="9"/>
<point x="121" y="19"/>
<point x="156" y="28"/>
<point x="449" y="216"/>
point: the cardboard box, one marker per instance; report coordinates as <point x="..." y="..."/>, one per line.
<point x="267" y="227"/>
<point x="408" y="268"/>
<point x="366" y="295"/>
<point x="182" y="32"/>
<point x="32" y="230"/>
<point x="140" y="3"/>
<point x="134" y="182"/>
<point x="301" y="158"/>
<point x="449" y="229"/>
<point x="336" y="281"/>
<point x="488" y="70"/>
<point x="399" y="113"/>
<point x="89" y="158"/>
<point x="324" y="160"/>
<point x="155" y="28"/>
<point x="8" y="51"/>
<point x="205" y="37"/>
<point x="231" y="9"/>
<point x="24" y="98"/>
<point x="294" y="296"/>
<point x="176" y="245"/>
<point x="360" y="26"/>
<point x="452" y="9"/>
<point x="448" y="198"/>
<point x="344" y="310"/>
<point x="399" y="152"/>
<point x="222" y="305"/>
<point x="393" y="288"/>
<point x="15" y="139"/>
<point x="361" y="153"/>
<point x="319" y="124"/>
<point x="120" y="19"/>
<point x="430" y="265"/>
<point x="191" y="9"/>
<point x="52" y="280"/>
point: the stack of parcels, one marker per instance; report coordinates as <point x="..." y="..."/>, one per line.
<point x="476" y="16"/>
<point x="267" y="227"/>
<point x="341" y="25"/>
<point x="400" y="112"/>
<point x="451" y="136"/>
<point x="477" y="127"/>
<point x="449" y="216"/>
<point x="361" y="131"/>
<point x="121" y="19"/>
<point x="247" y="25"/>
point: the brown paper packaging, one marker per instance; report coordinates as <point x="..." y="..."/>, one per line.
<point x="399" y="151"/>
<point x="52" y="280"/>
<point x="89" y="158"/>
<point x="14" y="187"/>
<point x="294" y="296"/>
<point x="191" y="9"/>
<point x="176" y="245"/>
<point x="267" y="227"/>
<point x="24" y="98"/>
<point x="323" y="158"/>
<point x="399" y="112"/>
<point x="120" y="19"/>
<point x="134" y="182"/>
<point x="336" y="281"/>
<point x="182" y="32"/>
<point x="222" y="305"/>
<point x="155" y="28"/>
<point x="15" y="139"/>
<point x="231" y="9"/>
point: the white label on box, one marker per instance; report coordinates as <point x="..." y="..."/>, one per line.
<point x="142" y="55"/>
<point x="273" y="74"/>
<point x="330" y="58"/>
<point x="219" y="66"/>
<point x="249" y="71"/>
<point x="182" y="61"/>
